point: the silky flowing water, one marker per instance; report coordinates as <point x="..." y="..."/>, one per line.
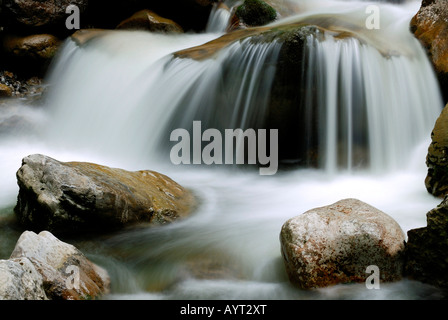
<point x="114" y="101"/>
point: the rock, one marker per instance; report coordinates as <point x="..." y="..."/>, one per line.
<point x="37" y="46"/>
<point x="255" y="13"/>
<point x="436" y="181"/>
<point x="77" y="196"/>
<point x="149" y="21"/>
<point x="335" y="244"/>
<point x="430" y="26"/>
<point x="427" y="249"/>
<point x="30" y="55"/>
<point x="66" y="273"/>
<point x="21" y="87"/>
<point x="83" y="36"/>
<point x="19" y="280"/>
<point x="191" y="15"/>
<point x="5" y="91"/>
<point x="38" y="13"/>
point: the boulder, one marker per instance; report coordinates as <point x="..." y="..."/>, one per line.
<point x="427" y="249"/>
<point x="19" y="280"/>
<point x="37" y="46"/>
<point x="436" y="181"/>
<point x="149" y="21"/>
<point x="337" y="243"/>
<point x="255" y="13"/>
<point x="66" y="273"/>
<point x="430" y="26"/>
<point x="70" y="197"/>
<point x="29" y="55"/>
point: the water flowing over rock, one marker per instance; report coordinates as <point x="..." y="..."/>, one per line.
<point x="427" y="249"/>
<point x="65" y="273"/>
<point x="317" y="98"/>
<point x="335" y="244"/>
<point x="75" y="196"/>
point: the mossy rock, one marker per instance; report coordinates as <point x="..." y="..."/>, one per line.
<point x="256" y="13"/>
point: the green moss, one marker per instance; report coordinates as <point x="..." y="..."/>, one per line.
<point x="256" y="13"/>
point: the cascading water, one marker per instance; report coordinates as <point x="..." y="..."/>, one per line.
<point x="356" y="86"/>
<point x="115" y="99"/>
<point x="219" y="20"/>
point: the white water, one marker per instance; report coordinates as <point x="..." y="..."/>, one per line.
<point x="219" y="20"/>
<point x="110" y="97"/>
<point x="357" y="86"/>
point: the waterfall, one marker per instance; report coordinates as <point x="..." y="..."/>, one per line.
<point x="357" y="104"/>
<point x="219" y="20"/>
<point x="366" y="101"/>
<point x="231" y="91"/>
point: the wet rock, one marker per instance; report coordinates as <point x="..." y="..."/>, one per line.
<point x="19" y="280"/>
<point x="255" y="13"/>
<point x="21" y="87"/>
<point x="66" y="273"/>
<point x="149" y="21"/>
<point x="436" y="181"/>
<point x="427" y="249"/>
<point x="37" y="46"/>
<point x="71" y="197"/>
<point x="335" y="244"/>
<point x="430" y="26"/>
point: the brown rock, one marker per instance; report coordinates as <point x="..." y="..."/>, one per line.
<point x="430" y="26"/>
<point x="436" y="181"/>
<point x="38" y="46"/>
<point x="5" y="91"/>
<point x="79" y="196"/>
<point x="150" y="21"/>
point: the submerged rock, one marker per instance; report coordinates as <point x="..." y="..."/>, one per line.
<point x="436" y="181"/>
<point x="68" y="197"/>
<point x="335" y="244"/>
<point x="427" y="249"/>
